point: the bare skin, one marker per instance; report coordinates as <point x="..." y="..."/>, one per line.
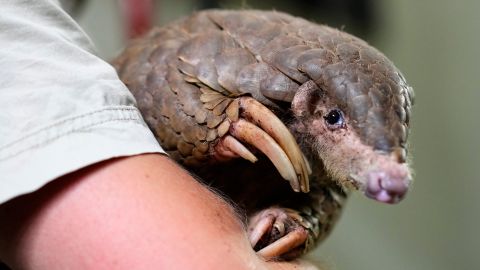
<point x="141" y="212"/>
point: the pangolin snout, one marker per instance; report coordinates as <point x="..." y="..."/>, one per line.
<point x="387" y="187"/>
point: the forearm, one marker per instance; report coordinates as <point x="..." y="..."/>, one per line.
<point x="141" y="212"/>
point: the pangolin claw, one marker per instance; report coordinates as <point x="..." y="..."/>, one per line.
<point x="251" y="122"/>
<point x="268" y="121"/>
<point x="260" y="228"/>
<point x="238" y="148"/>
<point x="290" y="241"/>
<point x="277" y="232"/>
<point x="255" y="136"/>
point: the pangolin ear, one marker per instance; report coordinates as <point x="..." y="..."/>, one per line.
<point x="305" y="99"/>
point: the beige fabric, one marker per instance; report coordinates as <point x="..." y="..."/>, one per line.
<point x="61" y="107"/>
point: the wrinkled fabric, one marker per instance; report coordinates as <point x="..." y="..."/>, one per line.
<point x="61" y="107"/>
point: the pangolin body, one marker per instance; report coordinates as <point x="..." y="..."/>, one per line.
<point x="345" y="103"/>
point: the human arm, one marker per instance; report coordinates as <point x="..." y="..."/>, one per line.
<point x="141" y="212"/>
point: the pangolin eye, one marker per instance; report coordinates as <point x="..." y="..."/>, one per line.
<point x="334" y="119"/>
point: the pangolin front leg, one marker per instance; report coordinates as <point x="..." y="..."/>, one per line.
<point x="292" y="228"/>
<point x="275" y="231"/>
<point x="250" y="122"/>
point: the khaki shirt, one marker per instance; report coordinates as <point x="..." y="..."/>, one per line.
<point x="61" y="107"/>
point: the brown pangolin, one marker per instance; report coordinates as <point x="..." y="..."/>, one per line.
<point x="247" y="98"/>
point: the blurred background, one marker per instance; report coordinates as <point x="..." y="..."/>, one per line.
<point x="436" y="44"/>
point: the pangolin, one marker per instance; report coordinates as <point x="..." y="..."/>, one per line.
<point x="245" y="99"/>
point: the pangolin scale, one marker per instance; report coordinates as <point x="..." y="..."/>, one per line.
<point x="197" y="79"/>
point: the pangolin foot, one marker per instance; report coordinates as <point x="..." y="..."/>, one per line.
<point x="278" y="233"/>
<point x="254" y="124"/>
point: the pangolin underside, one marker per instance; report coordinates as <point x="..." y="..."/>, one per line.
<point x="207" y="86"/>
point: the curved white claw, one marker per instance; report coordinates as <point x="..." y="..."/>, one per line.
<point x="255" y="136"/>
<point x="268" y="121"/>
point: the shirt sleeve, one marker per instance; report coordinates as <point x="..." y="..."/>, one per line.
<point x="61" y="107"/>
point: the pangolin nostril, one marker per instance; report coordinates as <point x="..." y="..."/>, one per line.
<point x="383" y="188"/>
<point x="394" y="186"/>
<point x="373" y="184"/>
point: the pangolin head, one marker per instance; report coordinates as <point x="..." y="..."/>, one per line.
<point x="356" y="115"/>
